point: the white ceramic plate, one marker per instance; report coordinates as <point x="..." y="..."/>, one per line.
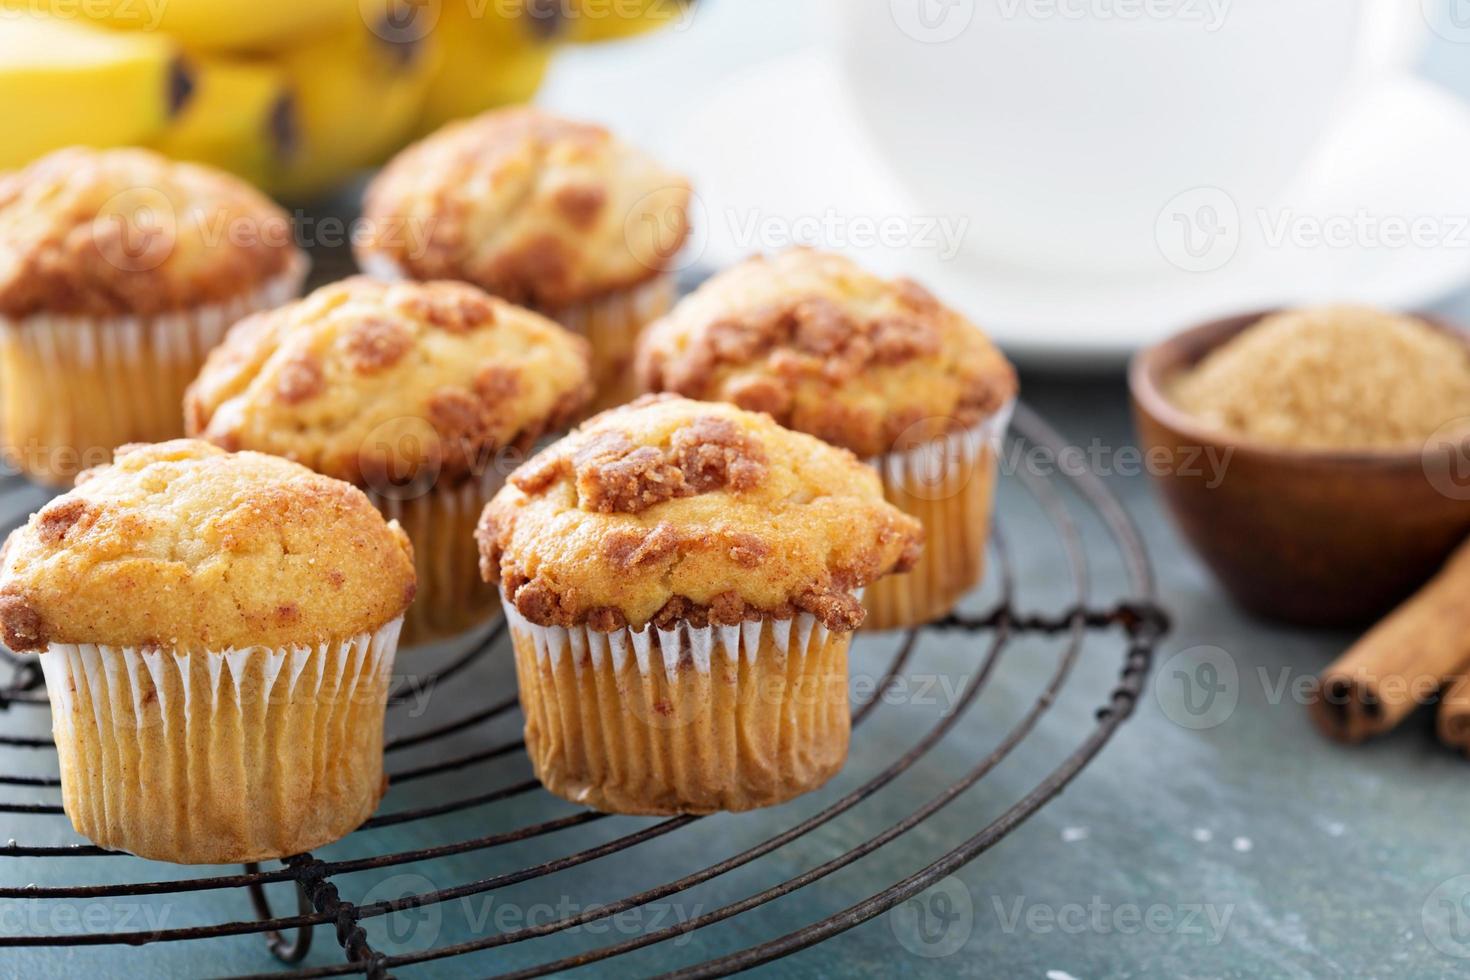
<point x="1383" y="217"/>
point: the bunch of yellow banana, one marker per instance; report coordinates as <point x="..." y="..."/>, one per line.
<point x="295" y="95"/>
<point x="496" y="51"/>
<point x="65" y="82"/>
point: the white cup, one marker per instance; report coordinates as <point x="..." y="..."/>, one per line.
<point x="1063" y="129"/>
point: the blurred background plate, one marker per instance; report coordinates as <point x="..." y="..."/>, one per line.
<point x="1381" y="214"/>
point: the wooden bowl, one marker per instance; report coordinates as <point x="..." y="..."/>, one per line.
<point x="1313" y="537"/>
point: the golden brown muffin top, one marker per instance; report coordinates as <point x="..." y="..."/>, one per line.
<point x="374" y="382"/>
<point x="540" y="210"/>
<point x="127" y="232"/>
<point x="668" y="509"/>
<point x="182" y="546"/>
<point x="826" y="348"/>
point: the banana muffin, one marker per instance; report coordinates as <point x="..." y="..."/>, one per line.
<point x="119" y="271"/>
<point x="876" y="366"/>
<point x="682" y="581"/>
<point x="217" y="633"/>
<point x="422" y="394"/>
<point x="556" y="215"/>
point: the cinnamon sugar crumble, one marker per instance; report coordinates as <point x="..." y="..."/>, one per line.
<point x="628" y="549"/>
<point x="554" y="195"/>
<point x="834" y="606"/>
<point x="794" y="526"/>
<point x="21" y="626"/>
<point x="452" y="307"/>
<point x="828" y="349"/>
<point x="581" y="203"/>
<point x="1332" y="377"/>
<point x="747" y="550"/>
<point x="540" y="473"/>
<point x="459" y="417"/>
<point x="713" y="454"/>
<point x="53" y="523"/>
<point x="530" y="274"/>
<point x="760" y="394"/>
<point x="496" y="383"/>
<point x="301" y="380"/>
<point x="615" y="477"/>
<point x="70" y="244"/>
<point x="606" y="619"/>
<point x="835" y="609"/>
<point x="808" y="336"/>
<point x="376" y="344"/>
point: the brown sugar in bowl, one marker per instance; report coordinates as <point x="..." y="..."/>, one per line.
<point x="1310" y="536"/>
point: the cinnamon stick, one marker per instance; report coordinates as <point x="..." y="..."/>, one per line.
<point x="1400" y="663"/>
<point x="1453" y="720"/>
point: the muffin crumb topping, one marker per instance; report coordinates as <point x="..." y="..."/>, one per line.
<point x="126" y="232"/>
<point x="455" y="308"/>
<point x="59" y="517"/>
<point x="375" y="382"/>
<point x="668" y="510"/>
<point x="376" y="344"/>
<point x="21" y="624"/>
<point x="540" y="210"/>
<point x="183" y="546"/>
<point x="828" y="349"/>
<point x="300" y="380"/>
<point x="615" y="476"/>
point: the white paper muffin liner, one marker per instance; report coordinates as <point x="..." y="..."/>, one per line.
<point x="78" y="387"/>
<point x="928" y="465"/>
<point x="949" y="485"/>
<point x="686" y="719"/>
<point x="652" y="648"/>
<point x="452" y="595"/>
<point x="222" y="756"/>
<point x="182" y="335"/>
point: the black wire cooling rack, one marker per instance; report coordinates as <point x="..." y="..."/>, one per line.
<point x="1136" y="620"/>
